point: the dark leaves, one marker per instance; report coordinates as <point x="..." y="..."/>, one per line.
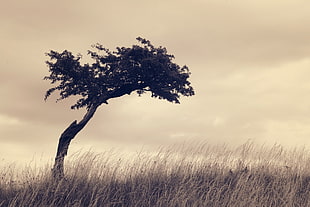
<point x="140" y="68"/>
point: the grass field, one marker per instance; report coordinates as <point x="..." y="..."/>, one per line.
<point x="203" y="175"/>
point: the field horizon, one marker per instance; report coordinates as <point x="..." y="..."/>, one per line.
<point x="203" y="175"/>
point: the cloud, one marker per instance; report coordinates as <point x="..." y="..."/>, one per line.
<point x="244" y="34"/>
<point x="9" y="121"/>
<point x="249" y="64"/>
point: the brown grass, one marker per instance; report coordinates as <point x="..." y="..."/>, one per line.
<point x="185" y="177"/>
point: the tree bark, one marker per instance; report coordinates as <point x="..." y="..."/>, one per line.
<point x="65" y="139"/>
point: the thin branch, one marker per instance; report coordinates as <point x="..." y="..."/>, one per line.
<point x="90" y="113"/>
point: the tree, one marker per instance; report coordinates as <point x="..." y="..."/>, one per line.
<point x="140" y="68"/>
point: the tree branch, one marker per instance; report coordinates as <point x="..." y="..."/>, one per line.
<point x="126" y="89"/>
<point x="90" y="113"/>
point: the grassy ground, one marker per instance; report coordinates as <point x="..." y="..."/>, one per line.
<point x="200" y="176"/>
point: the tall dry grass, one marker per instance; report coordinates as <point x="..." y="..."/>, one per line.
<point x="203" y="175"/>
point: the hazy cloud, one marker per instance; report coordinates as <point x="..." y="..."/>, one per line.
<point x="249" y="62"/>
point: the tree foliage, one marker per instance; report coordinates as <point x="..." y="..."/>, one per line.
<point x="140" y="68"/>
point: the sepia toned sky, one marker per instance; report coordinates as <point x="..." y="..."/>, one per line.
<point x="250" y="65"/>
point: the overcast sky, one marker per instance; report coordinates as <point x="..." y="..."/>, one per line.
<point x="249" y="59"/>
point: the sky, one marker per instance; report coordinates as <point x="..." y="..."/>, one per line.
<point x="249" y="63"/>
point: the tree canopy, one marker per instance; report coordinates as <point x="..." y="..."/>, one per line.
<point x="140" y="68"/>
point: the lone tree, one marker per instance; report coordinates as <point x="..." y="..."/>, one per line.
<point x="140" y="68"/>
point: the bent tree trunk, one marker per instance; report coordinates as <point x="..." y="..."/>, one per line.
<point x="65" y="139"/>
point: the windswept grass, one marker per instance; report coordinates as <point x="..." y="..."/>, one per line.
<point x="199" y="176"/>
